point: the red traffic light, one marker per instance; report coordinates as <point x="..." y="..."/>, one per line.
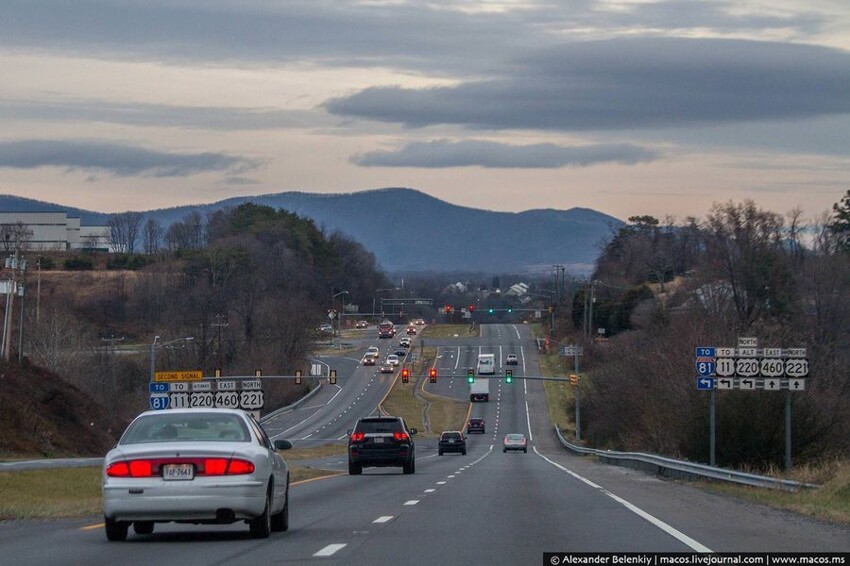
<point x="432" y="375"/>
<point x="471" y="308"/>
<point x="448" y="309"/>
<point x="405" y="375"/>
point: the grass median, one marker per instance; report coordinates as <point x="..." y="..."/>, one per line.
<point x="443" y="413"/>
<point x="449" y="331"/>
<point x="74" y="492"/>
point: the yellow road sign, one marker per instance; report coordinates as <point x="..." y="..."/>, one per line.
<point x="185" y="375"/>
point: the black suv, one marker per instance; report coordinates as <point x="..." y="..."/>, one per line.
<point x="451" y="441"/>
<point x="475" y="425"/>
<point x="381" y="441"/>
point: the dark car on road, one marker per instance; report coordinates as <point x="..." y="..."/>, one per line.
<point x="381" y="441"/>
<point x="451" y="441"/>
<point x="475" y="425"/>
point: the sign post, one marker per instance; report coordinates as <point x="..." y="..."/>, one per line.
<point x="749" y="367"/>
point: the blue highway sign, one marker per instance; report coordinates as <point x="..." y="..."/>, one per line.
<point x="705" y="383"/>
<point x="705" y="351"/>
<point x="155" y="387"/>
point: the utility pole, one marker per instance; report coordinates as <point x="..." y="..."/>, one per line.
<point x="220" y="322"/>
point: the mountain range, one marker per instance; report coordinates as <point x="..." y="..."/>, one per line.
<point x="408" y="230"/>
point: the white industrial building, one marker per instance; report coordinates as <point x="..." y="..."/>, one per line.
<point x="50" y="231"/>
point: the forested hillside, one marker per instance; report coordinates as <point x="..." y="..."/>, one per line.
<point x="661" y="290"/>
<point x="261" y="280"/>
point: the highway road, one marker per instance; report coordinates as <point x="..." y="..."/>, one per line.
<point x="483" y="508"/>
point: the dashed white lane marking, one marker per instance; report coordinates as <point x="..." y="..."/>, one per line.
<point x="451" y="476"/>
<point x="430" y="490"/>
<point x="441" y="483"/>
<point x="331" y="549"/>
<point x="411" y="502"/>
<point x="681" y="537"/>
<point x="384" y="519"/>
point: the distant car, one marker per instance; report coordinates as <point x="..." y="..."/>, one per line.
<point x="400" y="352"/>
<point x="515" y="442"/>
<point x="361" y="324"/>
<point x="373" y="351"/>
<point x="387" y="367"/>
<point x="419" y="322"/>
<point x="451" y="441"/>
<point x="404" y="342"/>
<point x="369" y="360"/>
<point x="381" y="441"/>
<point x="475" y="425"/>
<point x="195" y="466"/>
<point x="326" y="328"/>
<point x="411" y="330"/>
<point x="393" y="359"/>
<point x="511" y="360"/>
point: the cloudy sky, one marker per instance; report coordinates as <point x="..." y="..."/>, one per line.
<point x="627" y="107"/>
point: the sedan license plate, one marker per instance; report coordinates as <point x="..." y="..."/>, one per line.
<point x="451" y="441"/>
<point x="178" y="472"/>
<point x="379" y="440"/>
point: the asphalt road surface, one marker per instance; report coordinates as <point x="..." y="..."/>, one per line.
<point x="487" y="507"/>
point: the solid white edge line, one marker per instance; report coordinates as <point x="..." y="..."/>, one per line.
<point x="331" y="549"/>
<point x="527" y="414"/>
<point x="678" y="535"/>
<point x="309" y="417"/>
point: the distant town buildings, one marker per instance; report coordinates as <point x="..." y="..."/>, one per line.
<point x="50" y="231"/>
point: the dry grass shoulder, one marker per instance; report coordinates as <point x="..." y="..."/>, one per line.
<point x="73" y="492"/>
<point x="831" y="502"/>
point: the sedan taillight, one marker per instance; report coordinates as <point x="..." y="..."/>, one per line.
<point x="400" y="435"/>
<point x="146" y="468"/>
<point x="357" y="437"/>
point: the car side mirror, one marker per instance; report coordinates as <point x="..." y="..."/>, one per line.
<point x="412" y="431"/>
<point x="282" y="444"/>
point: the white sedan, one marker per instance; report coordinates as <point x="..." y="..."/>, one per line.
<point x="393" y="360"/>
<point x="202" y="466"/>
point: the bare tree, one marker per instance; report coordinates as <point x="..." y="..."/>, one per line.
<point x="152" y="236"/>
<point x="14" y="236"/>
<point x="124" y="231"/>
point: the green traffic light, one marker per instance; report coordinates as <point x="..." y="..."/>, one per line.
<point x="490" y="311"/>
<point x="470" y="376"/>
<point x="509" y="376"/>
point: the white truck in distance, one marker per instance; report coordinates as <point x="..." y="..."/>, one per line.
<point x="479" y="390"/>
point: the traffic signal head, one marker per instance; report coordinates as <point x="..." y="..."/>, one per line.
<point x="432" y="375"/>
<point x="405" y="375"/>
<point x="490" y="311"/>
<point x="471" y="308"/>
<point x="510" y="309"/>
<point x="470" y="376"/>
<point x="332" y="377"/>
<point x="298" y="377"/>
<point x="509" y="376"/>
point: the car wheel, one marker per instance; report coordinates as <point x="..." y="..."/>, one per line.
<point x="261" y="527"/>
<point x="410" y="467"/>
<point x="504" y="450"/>
<point x="143" y="527"/>
<point x="463" y="453"/>
<point x="116" y="530"/>
<point x="439" y="452"/>
<point x="525" y="450"/>
<point x="355" y="469"/>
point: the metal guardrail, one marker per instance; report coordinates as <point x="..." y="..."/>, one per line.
<point x="682" y="469"/>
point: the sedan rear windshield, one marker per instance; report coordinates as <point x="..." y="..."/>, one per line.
<point x="451" y="435"/>
<point x="379" y="425"/>
<point x="183" y="427"/>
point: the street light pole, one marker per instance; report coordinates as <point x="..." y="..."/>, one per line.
<point x="338" y="318"/>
